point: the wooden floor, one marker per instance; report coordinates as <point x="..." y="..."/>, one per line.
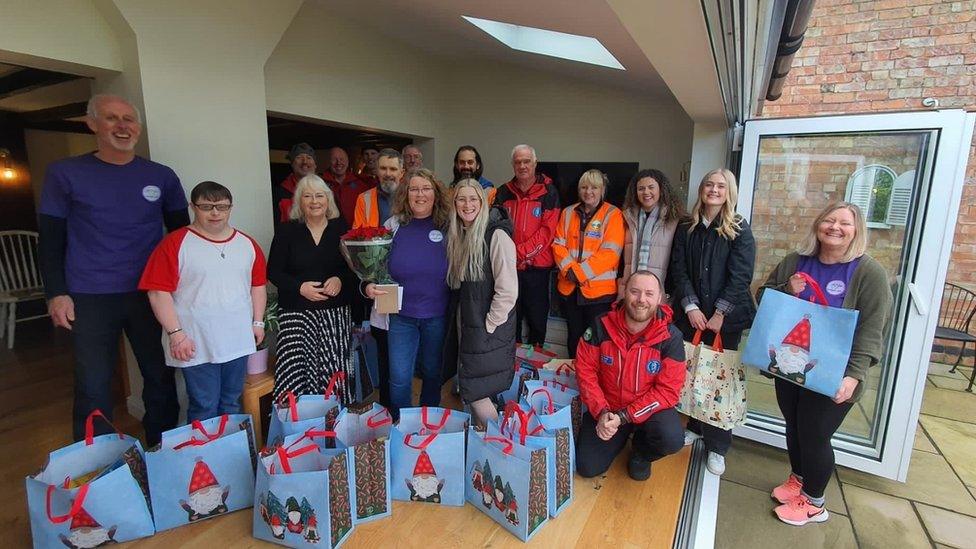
<point x="35" y="409"/>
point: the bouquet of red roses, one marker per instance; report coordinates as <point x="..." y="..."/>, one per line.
<point x="367" y="250"/>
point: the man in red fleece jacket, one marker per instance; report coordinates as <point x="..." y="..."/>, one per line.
<point x="630" y="366"/>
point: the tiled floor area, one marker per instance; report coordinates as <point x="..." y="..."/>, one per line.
<point x="936" y="507"/>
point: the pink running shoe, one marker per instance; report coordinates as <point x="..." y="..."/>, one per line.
<point x="800" y="511"/>
<point x="789" y="490"/>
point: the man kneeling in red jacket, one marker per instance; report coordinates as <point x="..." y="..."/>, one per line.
<point x="630" y="366"/>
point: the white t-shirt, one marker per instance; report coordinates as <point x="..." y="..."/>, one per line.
<point x="211" y="284"/>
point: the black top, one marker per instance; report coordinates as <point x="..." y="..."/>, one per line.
<point x="295" y="258"/>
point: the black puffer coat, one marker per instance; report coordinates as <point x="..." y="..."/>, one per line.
<point x="487" y="359"/>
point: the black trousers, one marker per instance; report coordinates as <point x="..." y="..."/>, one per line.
<point x="383" y="363"/>
<point x="716" y="439"/>
<point x="811" y="420"/>
<point x="533" y="304"/>
<point x="99" y="321"/>
<point x="661" y="435"/>
<point x="579" y="317"/>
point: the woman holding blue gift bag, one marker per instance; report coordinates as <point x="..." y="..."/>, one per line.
<point x="712" y="262"/>
<point x="832" y="255"/>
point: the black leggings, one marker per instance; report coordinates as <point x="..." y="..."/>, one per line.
<point x="811" y="420"/>
<point x="716" y="439"/>
<point x="579" y="317"/>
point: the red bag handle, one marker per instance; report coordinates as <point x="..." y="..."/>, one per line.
<point x="557" y="384"/>
<point x="75" y="506"/>
<point x="716" y="343"/>
<point x="438" y="426"/>
<point x="551" y="408"/>
<point x="90" y="426"/>
<point x="423" y="443"/>
<point x="292" y="404"/>
<point x="373" y="423"/>
<point x="284" y="456"/>
<point x="508" y="446"/>
<point x="198" y="425"/>
<point x="513" y="409"/>
<point x="562" y="367"/>
<point x="330" y="388"/>
<point x="815" y="286"/>
<point x="696" y="339"/>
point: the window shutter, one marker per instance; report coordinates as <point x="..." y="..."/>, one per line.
<point x="901" y="199"/>
<point x="859" y="187"/>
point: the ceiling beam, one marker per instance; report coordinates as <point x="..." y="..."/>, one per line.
<point x="61" y="112"/>
<point x="64" y="126"/>
<point x="28" y="79"/>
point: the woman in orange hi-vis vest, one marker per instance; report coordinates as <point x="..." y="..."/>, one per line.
<point x="587" y="246"/>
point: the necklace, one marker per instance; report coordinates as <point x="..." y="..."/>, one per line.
<point x="219" y="249"/>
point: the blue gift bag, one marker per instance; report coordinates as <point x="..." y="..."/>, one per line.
<point x="552" y="409"/>
<point x="292" y="415"/>
<point x="92" y="492"/>
<point x="202" y="470"/>
<point x="802" y="342"/>
<point x="563" y="375"/>
<point x="427" y="455"/>
<point x="366" y="432"/>
<point x="508" y="482"/>
<point x="561" y="396"/>
<point x="301" y="496"/>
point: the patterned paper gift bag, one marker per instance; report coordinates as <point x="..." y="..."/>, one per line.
<point x="427" y="455"/>
<point x="366" y="432"/>
<point x="715" y="385"/>
<point x="91" y="493"/>
<point x="293" y="415"/>
<point x="508" y="482"/>
<point x="202" y="470"/>
<point x="301" y="496"/>
<point x="802" y="342"/>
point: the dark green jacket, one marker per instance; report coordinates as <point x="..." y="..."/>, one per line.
<point x="869" y="293"/>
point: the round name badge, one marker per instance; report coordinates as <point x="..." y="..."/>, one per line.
<point x="435" y="236"/>
<point x="836" y="287"/>
<point x="151" y="193"/>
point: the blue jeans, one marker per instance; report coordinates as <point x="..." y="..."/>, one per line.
<point x="214" y="389"/>
<point x="406" y="336"/>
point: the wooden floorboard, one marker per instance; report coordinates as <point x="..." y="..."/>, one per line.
<point x="35" y="410"/>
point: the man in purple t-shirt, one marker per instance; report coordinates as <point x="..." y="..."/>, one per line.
<point x="101" y="216"/>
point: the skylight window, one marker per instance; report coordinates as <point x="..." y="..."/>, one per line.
<point x="574" y="47"/>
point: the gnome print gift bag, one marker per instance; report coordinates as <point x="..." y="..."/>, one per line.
<point x="807" y="343"/>
<point x="293" y="415"/>
<point x="202" y="470"/>
<point x="366" y="432"/>
<point x="427" y="455"/>
<point x="91" y="493"/>
<point x="715" y="384"/>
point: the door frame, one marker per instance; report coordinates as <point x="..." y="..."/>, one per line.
<point x="949" y="151"/>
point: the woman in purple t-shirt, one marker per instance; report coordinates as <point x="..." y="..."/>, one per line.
<point x="418" y="262"/>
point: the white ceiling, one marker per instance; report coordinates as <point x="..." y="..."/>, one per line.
<point x="436" y="27"/>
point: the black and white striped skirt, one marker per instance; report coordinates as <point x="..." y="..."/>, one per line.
<point x="312" y="346"/>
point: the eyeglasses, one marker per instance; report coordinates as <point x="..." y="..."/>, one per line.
<point x="210" y="207"/>
<point x="421" y="190"/>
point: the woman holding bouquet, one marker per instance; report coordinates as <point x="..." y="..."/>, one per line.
<point x="418" y="263"/>
<point x="314" y="284"/>
<point x="833" y="254"/>
<point x="484" y="283"/>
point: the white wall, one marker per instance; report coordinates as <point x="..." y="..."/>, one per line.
<point x="44" y="147"/>
<point x="710" y="151"/>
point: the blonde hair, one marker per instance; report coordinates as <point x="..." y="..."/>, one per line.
<point x="466" y="247"/>
<point x="313" y="182"/>
<point x="729" y="221"/>
<point x="442" y="208"/>
<point x="595" y="178"/>
<point x="857" y="247"/>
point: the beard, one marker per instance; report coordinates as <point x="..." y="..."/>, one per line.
<point x="388" y="186"/>
<point x="88" y="537"/>
<point x="639" y="313"/>
<point x="791" y="362"/>
<point x="425" y="485"/>
<point x="204" y="501"/>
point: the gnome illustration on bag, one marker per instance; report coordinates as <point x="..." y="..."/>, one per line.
<point x="86" y="532"/>
<point x="206" y="497"/>
<point x="792" y="359"/>
<point x="424" y="485"/>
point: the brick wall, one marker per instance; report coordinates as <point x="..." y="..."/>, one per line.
<point x="887" y="55"/>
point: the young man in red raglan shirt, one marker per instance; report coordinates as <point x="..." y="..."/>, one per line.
<point x="630" y="366"/>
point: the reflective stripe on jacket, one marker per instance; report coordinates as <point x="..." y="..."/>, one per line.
<point x="591" y="249"/>
<point x="367" y="212"/>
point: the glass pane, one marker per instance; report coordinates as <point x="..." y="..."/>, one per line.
<point x="796" y="177"/>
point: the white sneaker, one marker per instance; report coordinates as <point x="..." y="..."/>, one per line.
<point x="715" y="464"/>
<point x="690" y="437"/>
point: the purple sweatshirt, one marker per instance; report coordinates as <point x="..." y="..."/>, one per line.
<point x="418" y="262"/>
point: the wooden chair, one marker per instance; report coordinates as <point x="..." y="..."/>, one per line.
<point x="955" y="316"/>
<point x="255" y="387"/>
<point x="20" y="279"/>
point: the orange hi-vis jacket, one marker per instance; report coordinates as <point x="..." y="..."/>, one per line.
<point x="367" y="212"/>
<point x="591" y="250"/>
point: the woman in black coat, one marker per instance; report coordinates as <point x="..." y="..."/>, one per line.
<point x="480" y="342"/>
<point x="712" y="261"/>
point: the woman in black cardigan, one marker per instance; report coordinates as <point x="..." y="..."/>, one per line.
<point x="314" y="289"/>
<point x="712" y="261"/>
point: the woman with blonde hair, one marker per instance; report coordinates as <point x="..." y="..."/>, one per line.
<point x="418" y="263"/>
<point x="712" y="260"/>
<point x="587" y="246"/>
<point x="833" y="254"/>
<point x="483" y="279"/>
<point x="314" y="289"/>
